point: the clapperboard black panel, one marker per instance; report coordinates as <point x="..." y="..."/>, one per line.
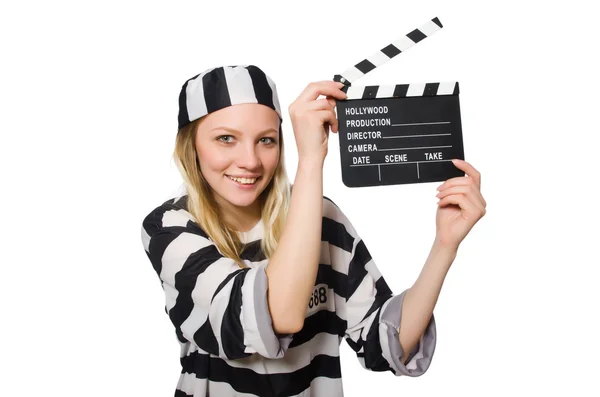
<point x="398" y="134"/>
<point x="398" y="140"/>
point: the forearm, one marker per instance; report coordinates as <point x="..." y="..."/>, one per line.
<point x="293" y="268"/>
<point x="421" y="298"/>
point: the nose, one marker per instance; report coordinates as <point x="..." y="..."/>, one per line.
<point x="247" y="157"/>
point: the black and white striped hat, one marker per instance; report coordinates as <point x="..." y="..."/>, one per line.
<point x="223" y="86"/>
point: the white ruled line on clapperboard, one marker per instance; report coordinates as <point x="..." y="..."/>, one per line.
<point x="399" y="90"/>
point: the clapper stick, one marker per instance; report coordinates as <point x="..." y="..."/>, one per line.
<point x="385" y="54"/>
<point x="398" y="133"/>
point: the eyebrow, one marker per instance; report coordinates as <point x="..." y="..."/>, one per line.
<point x="239" y="132"/>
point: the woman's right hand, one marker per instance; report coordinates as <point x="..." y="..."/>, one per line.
<point x="312" y="117"/>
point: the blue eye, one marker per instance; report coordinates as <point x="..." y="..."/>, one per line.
<point x="271" y="140"/>
<point x="224" y="136"/>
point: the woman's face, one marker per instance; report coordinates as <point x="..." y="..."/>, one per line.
<point x="238" y="151"/>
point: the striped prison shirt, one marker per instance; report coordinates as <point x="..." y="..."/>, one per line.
<point x="223" y="325"/>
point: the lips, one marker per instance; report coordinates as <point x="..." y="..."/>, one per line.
<point x="243" y="180"/>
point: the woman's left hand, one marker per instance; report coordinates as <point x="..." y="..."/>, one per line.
<point x="461" y="205"/>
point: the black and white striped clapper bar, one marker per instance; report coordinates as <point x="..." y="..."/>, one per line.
<point x="398" y="134"/>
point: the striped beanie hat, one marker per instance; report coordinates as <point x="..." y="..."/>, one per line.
<point x="219" y="87"/>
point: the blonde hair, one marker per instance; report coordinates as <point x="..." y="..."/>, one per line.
<point x="206" y="212"/>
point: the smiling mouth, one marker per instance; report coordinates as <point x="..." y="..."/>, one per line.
<point x="244" y="181"/>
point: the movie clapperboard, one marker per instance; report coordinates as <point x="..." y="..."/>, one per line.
<point x="398" y="134"/>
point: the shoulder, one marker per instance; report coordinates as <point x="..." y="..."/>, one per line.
<point x="335" y="218"/>
<point x="331" y="209"/>
<point x="171" y="215"/>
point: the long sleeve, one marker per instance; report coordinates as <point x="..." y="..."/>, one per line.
<point x="211" y="301"/>
<point x="372" y="312"/>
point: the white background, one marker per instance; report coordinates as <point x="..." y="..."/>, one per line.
<point x="89" y="110"/>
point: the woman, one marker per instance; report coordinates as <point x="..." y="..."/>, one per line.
<point x="263" y="281"/>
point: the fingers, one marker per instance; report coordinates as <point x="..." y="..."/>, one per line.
<point x="470" y="193"/>
<point x="459" y="180"/>
<point x="310" y="112"/>
<point x="320" y="104"/>
<point x="325" y="88"/>
<point x="453" y="190"/>
<point x="464" y="203"/>
<point x="332" y="101"/>
<point x="328" y="116"/>
<point x="468" y="169"/>
<point x="324" y="104"/>
<point x="466" y="181"/>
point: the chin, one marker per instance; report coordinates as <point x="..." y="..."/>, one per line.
<point x="241" y="201"/>
<point x="239" y="197"/>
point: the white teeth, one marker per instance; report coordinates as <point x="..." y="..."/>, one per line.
<point x="244" y="181"/>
